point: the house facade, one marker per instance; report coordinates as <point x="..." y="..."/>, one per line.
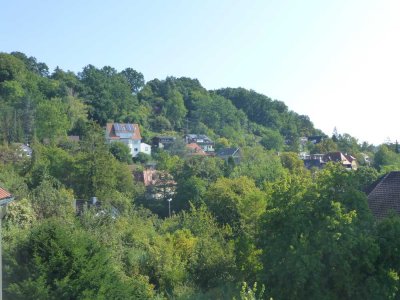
<point x="129" y="134"/>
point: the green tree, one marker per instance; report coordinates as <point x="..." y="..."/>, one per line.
<point x="272" y="140"/>
<point x="51" y="120"/>
<point x="318" y="235"/>
<point x="60" y="261"/>
<point x="121" y="152"/>
<point x="134" y="78"/>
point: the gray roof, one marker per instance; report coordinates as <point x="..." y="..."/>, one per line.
<point x="384" y="195"/>
<point x="227" y="151"/>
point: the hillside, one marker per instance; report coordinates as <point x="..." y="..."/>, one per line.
<point x="92" y="221"/>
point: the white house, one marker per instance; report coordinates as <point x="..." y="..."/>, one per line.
<point x="145" y="148"/>
<point x="129" y="134"/>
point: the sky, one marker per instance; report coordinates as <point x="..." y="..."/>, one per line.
<point x="336" y="61"/>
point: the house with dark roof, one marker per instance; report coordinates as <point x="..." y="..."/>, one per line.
<point x="163" y="142"/>
<point x="384" y="195"/>
<point x="129" y="134"/>
<point x="348" y="161"/>
<point x="202" y="140"/>
<point x="233" y="153"/>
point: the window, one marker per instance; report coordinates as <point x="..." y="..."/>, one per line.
<point x="135" y="149"/>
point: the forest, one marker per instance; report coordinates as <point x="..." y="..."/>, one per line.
<point x="264" y="228"/>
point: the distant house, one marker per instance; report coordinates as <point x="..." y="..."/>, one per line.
<point x="320" y="160"/>
<point x="145" y="148"/>
<point x="163" y="142"/>
<point x="315" y="139"/>
<point x="348" y="161"/>
<point x="233" y="153"/>
<point x="129" y="134"/>
<point x="160" y="185"/>
<point x="384" y="195"/>
<point x="94" y="205"/>
<point x="195" y="149"/>
<point x="82" y="205"/>
<point x="313" y="161"/>
<point x="5" y="197"/>
<point x="202" y="140"/>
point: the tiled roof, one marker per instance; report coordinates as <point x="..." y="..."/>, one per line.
<point x="195" y="149"/>
<point x="384" y="195"/>
<point x="126" y="128"/>
<point x="4" y="194"/>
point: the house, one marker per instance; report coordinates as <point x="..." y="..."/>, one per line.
<point x="320" y="160"/>
<point x="5" y="198"/>
<point x="82" y="205"/>
<point x="202" y="140"/>
<point x="233" y="153"/>
<point x="195" y="149"/>
<point x="93" y="204"/>
<point x="145" y="148"/>
<point x="348" y="161"/>
<point x="315" y="139"/>
<point x="313" y="161"/>
<point x="384" y="195"/>
<point x="163" y="142"/>
<point x="160" y="185"/>
<point x="129" y="134"/>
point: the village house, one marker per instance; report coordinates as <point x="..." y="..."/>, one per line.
<point x="230" y="153"/>
<point x="160" y="185"/>
<point x="129" y="134"/>
<point x="202" y="140"/>
<point x="320" y="160"/>
<point x="195" y="149"/>
<point x="163" y="142"/>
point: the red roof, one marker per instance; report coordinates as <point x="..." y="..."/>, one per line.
<point x="4" y="194"/>
<point x="110" y="130"/>
<point x="195" y="149"/>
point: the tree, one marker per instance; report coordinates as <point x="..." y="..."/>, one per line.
<point x="51" y="120"/>
<point x="318" y="236"/>
<point x="175" y="109"/>
<point x="121" y="152"/>
<point x="59" y="261"/>
<point x="134" y="78"/>
<point x="259" y="164"/>
<point x="107" y="93"/>
<point x="272" y="140"/>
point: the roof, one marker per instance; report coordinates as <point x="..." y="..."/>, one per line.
<point x="227" y="151"/>
<point x="5" y="197"/>
<point x="335" y="156"/>
<point x="195" y="149"/>
<point x="384" y="195"/>
<point x="4" y="194"/>
<point x="116" y="131"/>
<point x="199" y="138"/>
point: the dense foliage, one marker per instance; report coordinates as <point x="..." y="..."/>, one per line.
<point x="264" y="227"/>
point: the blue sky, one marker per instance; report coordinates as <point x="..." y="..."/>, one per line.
<point x="335" y="61"/>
